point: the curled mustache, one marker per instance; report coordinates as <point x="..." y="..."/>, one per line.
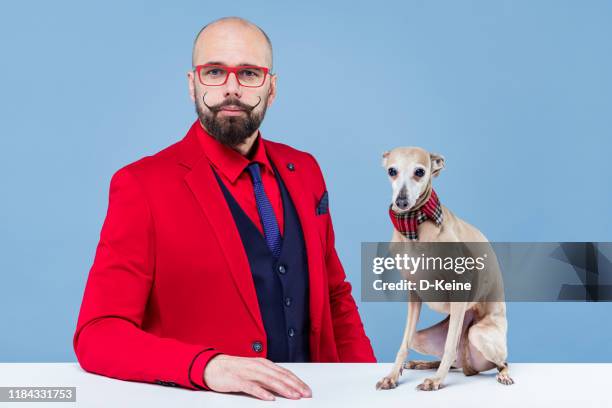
<point x="234" y="102"/>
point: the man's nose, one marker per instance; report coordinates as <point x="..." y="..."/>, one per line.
<point x="402" y="202"/>
<point x="232" y="86"/>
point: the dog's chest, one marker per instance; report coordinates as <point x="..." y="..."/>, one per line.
<point x="440" y="307"/>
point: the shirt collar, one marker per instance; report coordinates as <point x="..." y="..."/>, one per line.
<point x="227" y="160"/>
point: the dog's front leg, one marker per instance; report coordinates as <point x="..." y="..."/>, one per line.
<point x="457" y="313"/>
<point x="414" y="310"/>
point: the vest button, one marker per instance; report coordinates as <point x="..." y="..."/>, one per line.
<point x="291" y="332"/>
<point x="287" y="301"/>
<point x="291" y="166"/>
<point x="282" y="269"/>
<point x="257" y="346"/>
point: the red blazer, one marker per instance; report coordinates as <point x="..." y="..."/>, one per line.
<point x="170" y="286"/>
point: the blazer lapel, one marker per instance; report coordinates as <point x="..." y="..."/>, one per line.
<point x="295" y="181"/>
<point x="204" y="186"/>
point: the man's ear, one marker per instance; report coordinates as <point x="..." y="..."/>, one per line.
<point x="384" y="158"/>
<point x="437" y="163"/>
<point x="272" y="91"/>
<point x="191" y="83"/>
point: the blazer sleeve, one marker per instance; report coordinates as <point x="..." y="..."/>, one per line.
<point x="109" y="339"/>
<point x="351" y="341"/>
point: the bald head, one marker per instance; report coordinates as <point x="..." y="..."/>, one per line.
<point x="232" y="41"/>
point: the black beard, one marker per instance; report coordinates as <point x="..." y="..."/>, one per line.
<point x="231" y="130"/>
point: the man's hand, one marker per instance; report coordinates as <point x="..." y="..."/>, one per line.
<point x="258" y="377"/>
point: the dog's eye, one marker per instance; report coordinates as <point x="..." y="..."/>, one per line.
<point x="419" y="172"/>
<point x="392" y="171"/>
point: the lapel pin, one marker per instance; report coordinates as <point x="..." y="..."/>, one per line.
<point x="291" y="166"/>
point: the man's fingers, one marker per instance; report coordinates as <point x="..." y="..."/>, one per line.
<point x="278" y="386"/>
<point x="257" y="377"/>
<point x="254" y="389"/>
<point x="304" y="388"/>
<point x="274" y="380"/>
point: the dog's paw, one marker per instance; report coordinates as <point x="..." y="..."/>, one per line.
<point x="430" y="384"/>
<point x="386" y="383"/>
<point x="504" y="378"/>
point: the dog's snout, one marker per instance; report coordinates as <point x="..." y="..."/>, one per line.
<point x="402" y="202"/>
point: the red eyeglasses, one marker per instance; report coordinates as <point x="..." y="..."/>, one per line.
<point x="250" y="76"/>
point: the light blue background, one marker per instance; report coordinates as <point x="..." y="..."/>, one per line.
<point x="516" y="94"/>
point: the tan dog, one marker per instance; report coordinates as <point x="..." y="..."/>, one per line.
<point x="473" y="336"/>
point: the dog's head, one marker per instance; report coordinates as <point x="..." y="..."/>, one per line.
<point x="410" y="170"/>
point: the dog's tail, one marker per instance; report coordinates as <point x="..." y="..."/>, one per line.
<point x="468" y="370"/>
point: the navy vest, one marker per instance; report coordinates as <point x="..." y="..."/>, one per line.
<point x="281" y="284"/>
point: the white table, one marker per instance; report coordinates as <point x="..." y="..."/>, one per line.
<point x="337" y="385"/>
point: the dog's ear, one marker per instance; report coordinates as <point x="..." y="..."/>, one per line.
<point x="384" y="158"/>
<point x="437" y="163"/>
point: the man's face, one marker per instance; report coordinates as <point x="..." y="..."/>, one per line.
<point x="231" y="112"/>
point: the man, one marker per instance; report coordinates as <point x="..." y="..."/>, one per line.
<point x="216" y="258"/>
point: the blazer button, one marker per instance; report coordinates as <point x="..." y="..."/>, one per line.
<point x="291" y="166"/>
<point x="282" y="269"/>
<point x="257" y="346"/>
<point x="287" y="301"/>
<point x="291" y="332"/>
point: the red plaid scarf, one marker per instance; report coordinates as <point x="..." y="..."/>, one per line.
<point x="408" y="222"/>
